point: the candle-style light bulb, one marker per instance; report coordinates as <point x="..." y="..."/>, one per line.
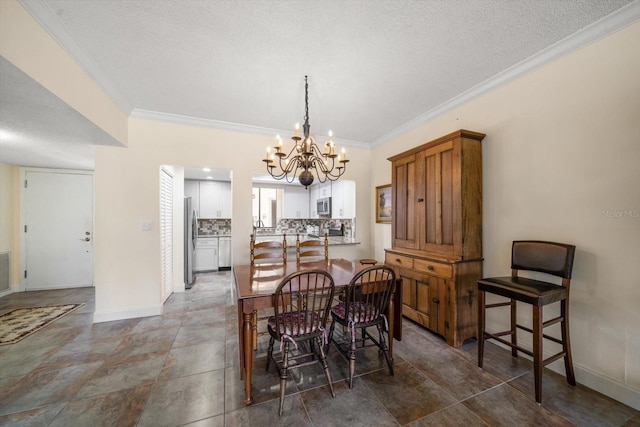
<point x="296" y="130"/>
<point x="344" y="155"/>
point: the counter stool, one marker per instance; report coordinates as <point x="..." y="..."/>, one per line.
<point x="555" y="259"/>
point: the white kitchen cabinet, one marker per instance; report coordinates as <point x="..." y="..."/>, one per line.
<point x="324" y="189"/>
<point x="224" y="199"/>
<point x="215" y="199"/>
<point x="343" y="199"/>
<point x="313" y="201"/>
<point x="206" y="256"/>
<point x="208" y="199"/>
<point x="296" y="202"/>
<point x="192" y="189"/>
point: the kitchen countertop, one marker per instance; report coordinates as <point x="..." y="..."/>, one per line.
<point x="206" y="236"/>
<point x="291" y="239"/>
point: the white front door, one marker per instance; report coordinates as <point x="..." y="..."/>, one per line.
<point x="58" y="215"/>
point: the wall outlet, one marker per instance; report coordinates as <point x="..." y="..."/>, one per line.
<point x="146" y="225"/>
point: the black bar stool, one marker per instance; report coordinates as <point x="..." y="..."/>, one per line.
<point x="551" y="258"/>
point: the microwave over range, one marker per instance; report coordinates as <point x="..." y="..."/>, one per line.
<point x="324" y="206"/>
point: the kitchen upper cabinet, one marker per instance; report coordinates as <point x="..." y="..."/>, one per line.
<point x="214" y="199"/>
<point x="313" y="201"/>
<point x="324" y="189"/>
<point x="192" y="189"/>
<point x="296" y="202"/>
<point x="343" y="199"/>
<point x="224" y="199"/>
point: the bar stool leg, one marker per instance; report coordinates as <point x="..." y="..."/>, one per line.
<point x="514" y="321"/>
<point x="537" y="351"/>
<point x="481" y="324"/>
<point x="566" y="344"/>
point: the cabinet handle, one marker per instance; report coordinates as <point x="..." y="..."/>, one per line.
<point x="430" y="267"/>
<point x="420" y="200"/>
<point x="436" y="300"/>
<point x="398" y="261"/>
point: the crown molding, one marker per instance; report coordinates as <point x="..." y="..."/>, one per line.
<point x="609" y="24"/>
<point x="217" y="124"/>
<point x="48" y="20"/>
<point x="617" y="20"/>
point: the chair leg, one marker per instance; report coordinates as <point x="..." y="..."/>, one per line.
<point x="352" y="358"/>
<point x="566" y="344"/>
<point x="481" y="326"/>
<point x="537" y="351"/>
<point x="330" y="336"/>
<point x="269" y="353"/>
<point x="325" y="366"/>
<point x="384" y="348"/>
<point x="284" y="372"/>
<point x="514" y="335"/>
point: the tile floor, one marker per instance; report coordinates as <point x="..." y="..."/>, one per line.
<point x="181" y="368"/>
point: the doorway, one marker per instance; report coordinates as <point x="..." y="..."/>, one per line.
<point x="57" y="229"/>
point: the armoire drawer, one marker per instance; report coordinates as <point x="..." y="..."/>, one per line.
<point x="435" y="268"/>
<point x="398" y="260"/>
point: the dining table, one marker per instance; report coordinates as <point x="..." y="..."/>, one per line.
<point x="255" y="286"/>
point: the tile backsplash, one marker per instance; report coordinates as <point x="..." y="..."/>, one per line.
<point x="214" y="227"/>
<point x="295" y="226"/>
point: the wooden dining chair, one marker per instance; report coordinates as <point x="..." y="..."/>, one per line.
<point x="552" y="259"/>
<point x="315" y="249"/>
<point x="268" y="251"/>
<point x="301" y="308"/>
<point x="365" y="304"/>
<point x="265" y="252"/>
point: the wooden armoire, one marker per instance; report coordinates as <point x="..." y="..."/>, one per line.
<point x="437" y="233"/>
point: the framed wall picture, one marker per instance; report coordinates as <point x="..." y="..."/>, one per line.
<point x="383" y="203"/>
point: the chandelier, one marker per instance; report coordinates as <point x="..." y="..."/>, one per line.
<point x="306" y="157"/>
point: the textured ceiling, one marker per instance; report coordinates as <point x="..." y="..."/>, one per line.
<point x="374" y="66"/>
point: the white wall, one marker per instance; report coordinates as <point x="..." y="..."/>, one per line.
<point x="561" y="161"/>
<point x="9" y="217"/>
<point x="127" y="263"/>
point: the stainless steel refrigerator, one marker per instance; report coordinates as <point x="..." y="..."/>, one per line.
<point x="190" y="237"/>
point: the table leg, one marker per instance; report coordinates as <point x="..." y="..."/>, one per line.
<point x="254" y="327"/>
<point x="248" y="355"/>
<point x="241" y="338"/>
<point x="391" y="322"/>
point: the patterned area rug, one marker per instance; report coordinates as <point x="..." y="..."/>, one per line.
<point x="22" y="322"/>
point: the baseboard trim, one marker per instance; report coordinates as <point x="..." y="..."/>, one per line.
<point x="592" y="379"/>
<point x="12" y="289"/>
<point x="109" y="316"/>
<point x="607" y="386"/>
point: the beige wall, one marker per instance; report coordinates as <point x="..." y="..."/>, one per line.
<point x="9" y="217"/>
<point x="127" y="265"/>
<point x="561" y="161"/>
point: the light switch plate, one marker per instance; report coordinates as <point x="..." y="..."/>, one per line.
<point x="145" y="225"/>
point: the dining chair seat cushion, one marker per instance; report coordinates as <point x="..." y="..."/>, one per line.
<point x="295" y="324"/>
<point x="359" y="312"/>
